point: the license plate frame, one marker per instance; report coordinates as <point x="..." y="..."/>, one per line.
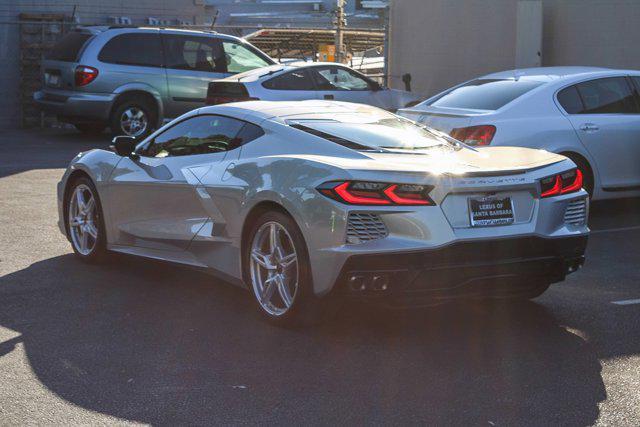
<point x="491" y="211"/>
<point x="53" y="80"/>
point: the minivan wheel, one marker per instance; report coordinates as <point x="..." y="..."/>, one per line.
<point x="90" y="128"/>
<point x="133" y="118"/>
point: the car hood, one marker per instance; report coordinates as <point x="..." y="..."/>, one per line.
<point x="487" y="160"/>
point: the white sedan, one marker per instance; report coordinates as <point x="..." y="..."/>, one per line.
<point x="591" y="115"/>
<point x="300" y="81"/>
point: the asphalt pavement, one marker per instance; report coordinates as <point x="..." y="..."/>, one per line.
<point x="136" y="341"/>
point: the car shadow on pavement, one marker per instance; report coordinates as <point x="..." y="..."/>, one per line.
<point x="161" y="344"/>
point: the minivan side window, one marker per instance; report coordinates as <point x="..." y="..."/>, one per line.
<point x="142" y="49"/>
<point x="636" y="83"/>
<point x="240" y="58"/>
<point x="197" y="135"/>
<point x="610" y="95"/>
<point x="294" y="80"/>
<point x="194" y="53"/>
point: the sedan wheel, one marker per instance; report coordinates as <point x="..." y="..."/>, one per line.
<point x="274" y="268"/>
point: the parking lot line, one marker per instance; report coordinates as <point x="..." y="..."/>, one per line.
<point x="626" y="302"/>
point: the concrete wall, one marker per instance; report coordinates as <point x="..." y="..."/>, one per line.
<point x="444" y="42"/>
<point x="89" y="12"/>
<point x="592" y="32"/>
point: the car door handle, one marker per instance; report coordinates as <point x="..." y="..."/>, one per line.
<point x="329" y="97"/>
<point x="589" y="127"/>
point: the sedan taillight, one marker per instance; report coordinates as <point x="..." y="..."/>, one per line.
<point x="474" y="135"/>
<point x="85" y="75"/>
<point x="564" y="183"/>
<point x="377" y="193"/>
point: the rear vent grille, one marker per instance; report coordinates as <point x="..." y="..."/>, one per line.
<point x="363" y="227"/>
<point x="576" y="213"/>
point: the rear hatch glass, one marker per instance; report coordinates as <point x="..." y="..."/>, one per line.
<point x="485" y="94"/>
<point x="362" y="132"/>
<point x="68" y="48"/>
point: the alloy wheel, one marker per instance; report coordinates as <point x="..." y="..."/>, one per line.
<point x="133" y="121"/>
<point x="83" y="222"/>
<point x="274" y="268"/>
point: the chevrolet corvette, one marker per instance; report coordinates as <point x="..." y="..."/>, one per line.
<point x="304" y="202"/>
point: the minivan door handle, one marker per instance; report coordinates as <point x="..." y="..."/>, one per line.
<point x="329" y="97"/>
<point x="589" y="127"/>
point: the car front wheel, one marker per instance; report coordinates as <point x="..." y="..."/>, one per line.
<point x="84" y="221"/>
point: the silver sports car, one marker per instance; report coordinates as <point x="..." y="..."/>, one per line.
<point x="306" y="202"/>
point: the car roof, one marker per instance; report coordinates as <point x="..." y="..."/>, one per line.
<point x="276" y="69"/>
<point x="549" y="74"/>
<point x="96" y="29"/>
<point x="310" y="109"/>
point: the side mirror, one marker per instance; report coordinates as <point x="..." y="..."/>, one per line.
<point x="375" y="86"/>
<point x="124" y="145"/>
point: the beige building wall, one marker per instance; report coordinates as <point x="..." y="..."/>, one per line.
<point x="603" y="33"/>
<point x="444" y="42"/>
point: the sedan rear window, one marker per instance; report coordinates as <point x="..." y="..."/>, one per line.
<point x="485" y="94"/>
<point x="69" y="46"/>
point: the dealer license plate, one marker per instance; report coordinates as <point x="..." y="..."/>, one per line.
<point x="487" y="211"/>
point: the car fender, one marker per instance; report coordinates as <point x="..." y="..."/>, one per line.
<point x="98" y="165"/>
<point x="142" y="87"/>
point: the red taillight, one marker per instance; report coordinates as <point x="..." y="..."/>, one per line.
<point x="85" y="75"/>
<point x="567" y="182"/>
<point x="377" y="193"/>
<point x="475" y="135"/>
<point x="400" y="197"/>
<point x="216" y="100"/>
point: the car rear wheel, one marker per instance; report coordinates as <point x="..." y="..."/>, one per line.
<point x="587" y="174"/>
<point x="133" y="118"/>
<point x="84" y="221"/>
<point x="277" y="271"/>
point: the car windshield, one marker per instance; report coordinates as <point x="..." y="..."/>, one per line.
<point x="386" y="132"/>
<point x="485" y="94"/>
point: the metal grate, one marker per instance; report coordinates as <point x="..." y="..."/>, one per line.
<point x="363" y="227"/>
<point x="576" y="213"/>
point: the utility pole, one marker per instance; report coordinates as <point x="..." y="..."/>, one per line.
<point x="339" y="22"/>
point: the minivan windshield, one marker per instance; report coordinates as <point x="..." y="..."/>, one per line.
<point x="385" y="133"/>
<point x="485" y="94"/>
<point x="68" y="47"/>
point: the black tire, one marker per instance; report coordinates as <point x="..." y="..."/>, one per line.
<point x="306" y="309"/>
<point x="150" y="114"/>
<point x="587" y="174"/>
<point x="99" y="251"/>
<point x="92" y="129"/>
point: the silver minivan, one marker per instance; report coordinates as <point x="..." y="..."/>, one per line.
<point x="132" y="79"/>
